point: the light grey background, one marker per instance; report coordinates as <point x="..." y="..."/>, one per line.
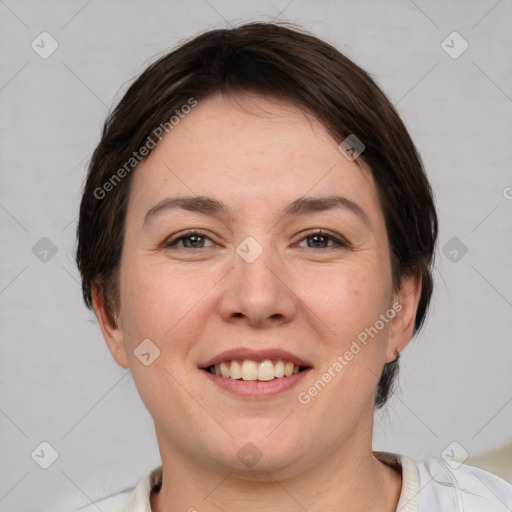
<point x="58" y="382"/>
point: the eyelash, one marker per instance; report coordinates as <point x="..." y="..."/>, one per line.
<point x="320" y="232"/>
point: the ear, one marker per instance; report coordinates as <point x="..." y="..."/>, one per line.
<point x="110" y="327"/>
<point x="405" y="305"/>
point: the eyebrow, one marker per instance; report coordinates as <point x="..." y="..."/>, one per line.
<point x="301" y="206"/>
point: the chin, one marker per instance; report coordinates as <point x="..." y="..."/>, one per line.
<point x="255" y="456"/>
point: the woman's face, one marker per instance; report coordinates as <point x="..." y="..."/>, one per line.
<point x="256" y="277"/>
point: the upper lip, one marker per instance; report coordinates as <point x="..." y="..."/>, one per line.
<point x="241" y="354"/>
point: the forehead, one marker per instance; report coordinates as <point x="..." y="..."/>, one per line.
<point x="249" y="150"/>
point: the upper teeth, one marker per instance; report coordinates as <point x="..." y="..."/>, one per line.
<point x="252" y="370"/>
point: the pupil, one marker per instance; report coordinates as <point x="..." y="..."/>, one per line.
<point x="316" y="238"/>
<point x="192" y="239"/>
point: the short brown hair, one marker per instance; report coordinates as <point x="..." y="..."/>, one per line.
<point x="284" y="63"/>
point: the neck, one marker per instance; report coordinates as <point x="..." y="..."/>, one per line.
<point x="346" y="480"/>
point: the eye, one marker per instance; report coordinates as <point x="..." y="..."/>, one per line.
<point x="191" y="240"/>
<point x="194" y="239"/>
<point x="320" y="239"/>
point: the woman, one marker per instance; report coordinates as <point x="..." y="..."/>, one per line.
<point x="256" y="238"/>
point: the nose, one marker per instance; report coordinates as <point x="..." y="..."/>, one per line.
<point x="258" y="292"/>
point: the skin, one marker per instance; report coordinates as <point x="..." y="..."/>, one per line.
<point x="257" y="155"/>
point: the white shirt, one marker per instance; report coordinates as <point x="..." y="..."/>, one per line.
<point x="431" y="485"/>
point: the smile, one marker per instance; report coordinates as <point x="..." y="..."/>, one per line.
<point x="255" y="374"/>
<point x="249" y="370"/>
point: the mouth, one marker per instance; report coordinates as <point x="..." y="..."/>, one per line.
<point x="250" y="370"/>
<point x="255" y="374"/>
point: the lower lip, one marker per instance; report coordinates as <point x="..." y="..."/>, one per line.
<point x="256" y="388"/>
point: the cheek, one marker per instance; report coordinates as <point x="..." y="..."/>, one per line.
<point x="348" y="297"/>
<point x="155" y="298"/>
<point x="168" y="306"/>
<point x="159" y="305"/>
<point x="357" y="297"/>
